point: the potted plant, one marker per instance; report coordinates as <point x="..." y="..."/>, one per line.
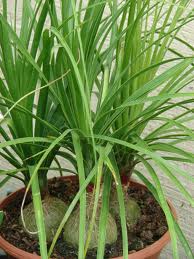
<point x="29" y="116"/>
<point x="114" y="59"/>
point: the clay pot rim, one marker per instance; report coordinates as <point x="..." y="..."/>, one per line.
<point x="150" y="250"/>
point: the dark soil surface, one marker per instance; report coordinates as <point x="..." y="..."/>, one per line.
<point x="150" y="227"/>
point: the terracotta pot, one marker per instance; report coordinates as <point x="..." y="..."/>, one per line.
<point x="150" y="252"/>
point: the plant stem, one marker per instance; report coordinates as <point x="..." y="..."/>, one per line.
<point x="36" y="196"/>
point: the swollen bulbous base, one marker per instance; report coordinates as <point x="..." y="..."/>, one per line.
<point x="53" y="209"/>
<point x="71" y="228"/>
<point x="132" y="209"/>
<point x="133" y="212"/>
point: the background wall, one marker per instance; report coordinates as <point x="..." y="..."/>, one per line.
<point x="185" y="212"/>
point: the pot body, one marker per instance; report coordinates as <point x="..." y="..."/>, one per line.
<point x="150" y="252"/>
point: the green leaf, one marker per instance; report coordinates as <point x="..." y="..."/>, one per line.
<point x="21" y="47"/>
<point x="81" y="172"/>
<point x="36" y="196"/>
<point x="1" y="217"/>
<point x="111" y="163"/>
<point x="104" y="215"/>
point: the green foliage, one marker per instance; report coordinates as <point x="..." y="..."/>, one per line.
<point x="23" y="63"/>
<point x="126" y="57"/>
<point x="1" y="217"/>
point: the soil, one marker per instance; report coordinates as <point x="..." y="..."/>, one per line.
<point x="149" y="228"/>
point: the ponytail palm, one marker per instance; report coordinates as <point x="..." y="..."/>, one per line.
<point x="22" y="56"/>
<point x="112" y="68"/>
<point x="130" y="67"/>
<point x="30" y="119"/>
